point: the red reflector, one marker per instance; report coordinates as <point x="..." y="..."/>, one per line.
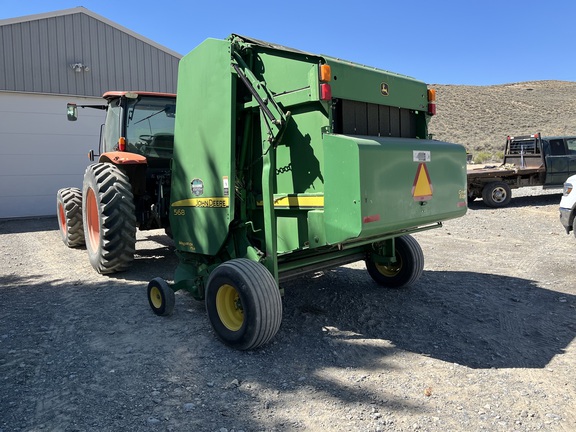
<point x="372" y="218"/>
<point x="325" y="92"/>
<point x="432" y="108"/>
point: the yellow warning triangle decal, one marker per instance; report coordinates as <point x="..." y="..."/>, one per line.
<point x="422" y="188"/>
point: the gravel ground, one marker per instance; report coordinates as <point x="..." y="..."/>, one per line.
<point x="484" y="341"/>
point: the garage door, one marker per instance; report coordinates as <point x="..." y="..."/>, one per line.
<point x="41" y="151"/>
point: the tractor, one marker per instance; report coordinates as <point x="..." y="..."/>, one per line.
<point x="128" y="187"/>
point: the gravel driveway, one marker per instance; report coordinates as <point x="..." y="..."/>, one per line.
<point x="484" y="341"/>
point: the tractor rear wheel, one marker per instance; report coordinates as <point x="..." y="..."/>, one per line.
<point x="109" y="218"/>
<point x="243" y="303"/>
<point x="69" y="210"/>
<point x="405" y="271"/>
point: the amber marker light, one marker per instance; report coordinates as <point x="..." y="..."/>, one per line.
<point x="122" y="144"/>
<point x="325" y="73"/>
<point x="567" y="189"/>
<point x="325" y="77"/>
<point x="431" y="101"/>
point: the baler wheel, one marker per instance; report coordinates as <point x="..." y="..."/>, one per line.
<point x="161" y="297"/>
<point x="405" y="271"/>
<point x="69" y="210"/>
<point x="109" y="218"/>
<point x="243" y="303"/>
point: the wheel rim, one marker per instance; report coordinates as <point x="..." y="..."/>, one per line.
<point x="62" y="218"/>
<point x="499" y="194"/>
<point x="92" y="220"/>
<point x="156" y="297"/>
<point x="229" y="307"/>
<point x="390" y="270"/>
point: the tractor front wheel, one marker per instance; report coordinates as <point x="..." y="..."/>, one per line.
<point x="243" y="303"/>
<point x="109" y="218"/>
<point x="405" y="271"/>
<point x="69" y="210"/>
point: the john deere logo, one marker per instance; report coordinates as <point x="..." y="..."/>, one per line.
<point x="384" y="89"/>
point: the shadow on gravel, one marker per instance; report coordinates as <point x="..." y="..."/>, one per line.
<point x="91" y="344"/>
<point x="552" y="198"/>
<point x="473" y="319"/>
<point x="158" y="259"/>
<point x="90" y="347"/>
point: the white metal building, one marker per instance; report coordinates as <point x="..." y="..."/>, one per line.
<point x="46" y="61"/>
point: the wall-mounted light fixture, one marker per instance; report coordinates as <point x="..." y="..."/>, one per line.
<point x="79" y="67"/>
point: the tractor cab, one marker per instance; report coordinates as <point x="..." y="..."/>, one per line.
<point x="140" y="123"/>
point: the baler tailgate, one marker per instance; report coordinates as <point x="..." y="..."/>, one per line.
<point x="375" y="185"/>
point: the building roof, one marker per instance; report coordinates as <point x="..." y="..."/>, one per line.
<point x="83" y="10"/>
<point x="78" y="52"/>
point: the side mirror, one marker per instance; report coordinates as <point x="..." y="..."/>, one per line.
<point x="170" y="110"/>
<point x="72" y="112"/>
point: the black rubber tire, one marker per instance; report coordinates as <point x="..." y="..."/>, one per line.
<point x="161" y="297"/>
<point x="168" y="231"/>
<point x="69" y="211"/>
<point x="473" y="195"/>
<point x="407" y="269"/>
<point x="243" y="304"/>
<point x="109" y="218"/>
<point x="496" y="194"/>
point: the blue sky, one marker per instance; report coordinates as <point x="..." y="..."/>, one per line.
<point x="439" y="42"/>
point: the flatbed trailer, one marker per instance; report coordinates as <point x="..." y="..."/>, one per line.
<point x="530" y="160"/>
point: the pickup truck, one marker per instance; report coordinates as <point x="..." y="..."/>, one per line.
<point x="568" y="205"/>
<point x="530" y="160"/>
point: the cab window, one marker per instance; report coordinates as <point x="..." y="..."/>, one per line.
<point x="557" y="147"/>
<point x="112" y="132"/>
<point x="150" y="126"/>
<point x="571" y="144"/>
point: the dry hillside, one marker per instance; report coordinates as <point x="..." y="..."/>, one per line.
<point x="480" y="117"/>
